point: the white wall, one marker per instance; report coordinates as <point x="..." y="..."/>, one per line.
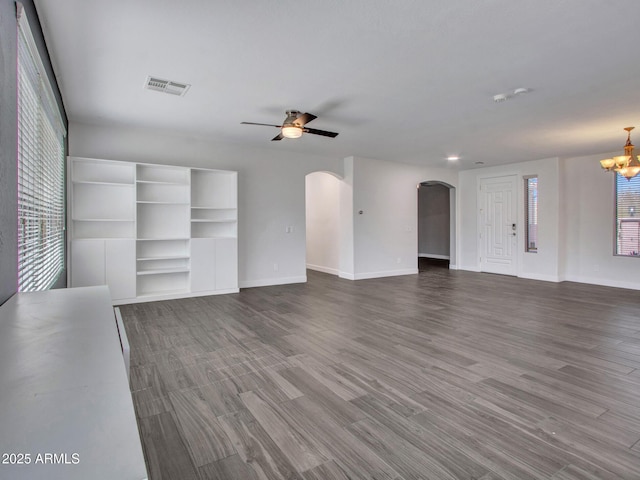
<point x="576" y="222"/>
<point x="543" y="265"/>
<point x="588" y="212"/>
<point x="323" y="222"/>
<point x="271" y="190"/>
<point x="385" y="239"/>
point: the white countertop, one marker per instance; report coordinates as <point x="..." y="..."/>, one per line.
<point x="64" y="389"/>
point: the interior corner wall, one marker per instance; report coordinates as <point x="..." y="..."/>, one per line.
<point x="543" y="265"/>
<point x="322" y="200"/>
<point x="8" y="137"/>
<point x="589" y="214"/>
<point x="347" y="254"/>
<point x="271" y="190"/>
<point x="385" y="233"/>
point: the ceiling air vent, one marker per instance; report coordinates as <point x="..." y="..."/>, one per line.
<point x="166" y="86"/>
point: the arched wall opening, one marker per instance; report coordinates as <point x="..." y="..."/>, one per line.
<point x="322" y="213"/>
<point x="436" y="224"/>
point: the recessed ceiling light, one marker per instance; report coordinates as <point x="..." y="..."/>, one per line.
<point x="453" y="157"/>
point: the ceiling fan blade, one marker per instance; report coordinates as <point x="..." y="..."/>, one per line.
<point x="324" y="133"/>
<point x="277" y="137"/>
<point x="303" y="119"/>
<point x="263" y="124"/>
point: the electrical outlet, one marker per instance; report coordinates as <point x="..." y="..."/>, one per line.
<point x="275" y="267"/>
<point x="398" y="260"/>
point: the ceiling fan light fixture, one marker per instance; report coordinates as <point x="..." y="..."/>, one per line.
<point x="291" y="131"/>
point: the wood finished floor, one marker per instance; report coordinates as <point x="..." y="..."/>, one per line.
<point x="441" y="375"/>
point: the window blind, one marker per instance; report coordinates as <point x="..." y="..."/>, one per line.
<point x="627" y="216"/>
<point x="41" y="153"/>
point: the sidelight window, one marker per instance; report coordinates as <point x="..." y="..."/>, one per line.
<point x="531" y="213"/>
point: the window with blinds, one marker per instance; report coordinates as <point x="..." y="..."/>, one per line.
<point x="531" y="214"/>
<point x="41" y="154"/>
<point x="627" y="216"/>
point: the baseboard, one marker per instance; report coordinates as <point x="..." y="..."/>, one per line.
<point x="434" y="255"/>
<point x="347" y="276"/>
<point x="603" y="282"/>
<point x="571" y="278"/>
<point x="266" y="282"/>
<point x="172" y="296"/>
<point x="386" y="273"/>
<point x="453" y="267"/>
<point x="537" y="276"/>
<point x="320" y="268"/>
<point x="468" y="268"/>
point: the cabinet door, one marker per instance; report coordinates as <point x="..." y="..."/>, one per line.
<point x="120" y="267"/>
<point x="226" y="263"/>
<point x="203" y="264"/>
<point x="87" y="263"/>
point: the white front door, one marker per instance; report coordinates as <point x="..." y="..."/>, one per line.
<point x="497" y="200"/>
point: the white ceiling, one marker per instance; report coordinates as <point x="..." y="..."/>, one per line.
<point x="405" y="80"/>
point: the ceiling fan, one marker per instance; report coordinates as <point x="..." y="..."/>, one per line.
<point x="294" y="126"/>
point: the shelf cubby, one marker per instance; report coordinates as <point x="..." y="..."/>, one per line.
<point x="92" y="228"/>
<point x="163" y="221"/>
<point x="146" y="266"/>
<point x="154" y="249"/>
<point x="162" y="174"/>
<point x="102" y="172"/>
<point x="163" y="193"/>
<point x="103" y="201"/>
<point x="213" y="189"/>
<point x="214" y="214"/>
<point x="212" y="229"/>
<point x="170" y="283"/>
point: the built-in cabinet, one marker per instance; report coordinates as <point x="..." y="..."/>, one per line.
<point x="152" y="232"/>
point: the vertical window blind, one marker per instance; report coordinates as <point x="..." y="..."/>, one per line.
<point x="627" y="216"/>
<point x="41" y="154"/>
<point x="531" y="213"/>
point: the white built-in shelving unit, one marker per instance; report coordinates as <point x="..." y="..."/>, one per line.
<point x="152" y="231"/>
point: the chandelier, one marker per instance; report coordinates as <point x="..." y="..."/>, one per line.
<point x="626" y="165"/>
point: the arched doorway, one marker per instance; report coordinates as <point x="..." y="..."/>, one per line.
<point x="436" y="225"/>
